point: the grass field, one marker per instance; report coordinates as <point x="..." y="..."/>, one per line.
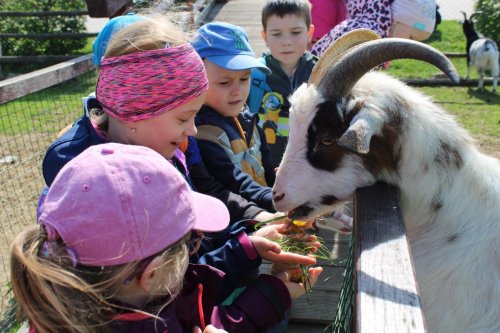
<point x="478" y="111"/>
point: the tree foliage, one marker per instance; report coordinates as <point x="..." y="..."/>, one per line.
<point x="487" y="19"/>
<point x="44" y="24"/>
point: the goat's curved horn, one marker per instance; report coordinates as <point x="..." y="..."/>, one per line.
<point x="355" y="62"/>
<point x="474" y="15"/>
<point x="465" y="15"/>
<point x="335" y="50"/>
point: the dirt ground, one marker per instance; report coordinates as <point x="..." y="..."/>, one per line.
<point x="22" y="183"/>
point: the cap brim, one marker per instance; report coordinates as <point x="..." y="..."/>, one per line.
<point x="239" y="62"/>
<point x="211" y="213"/>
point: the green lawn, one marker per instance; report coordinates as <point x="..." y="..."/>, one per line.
<point x="477" y="111"/>
<point x="448" y="38"/>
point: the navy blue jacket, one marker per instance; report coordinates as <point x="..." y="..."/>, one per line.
<point x="281" y="88"/>
<point x="223" y="169"/>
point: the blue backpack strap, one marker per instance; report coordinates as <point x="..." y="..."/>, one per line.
<point x="258" y="87"/>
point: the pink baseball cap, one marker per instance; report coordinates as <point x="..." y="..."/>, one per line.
<point x="116" y="203"/>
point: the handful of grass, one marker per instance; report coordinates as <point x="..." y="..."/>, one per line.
<point x="296" y="239"/>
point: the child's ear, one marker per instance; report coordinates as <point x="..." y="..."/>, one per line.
<point x="148" y="276"/>
<point x="264" y="36"/>
<point x="310" y="33"/>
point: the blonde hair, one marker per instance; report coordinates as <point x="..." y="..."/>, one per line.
<point x="57" y="297"/>
<point x="156" y="31"/>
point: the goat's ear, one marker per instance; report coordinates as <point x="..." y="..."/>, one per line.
<point x="357" y="137"/>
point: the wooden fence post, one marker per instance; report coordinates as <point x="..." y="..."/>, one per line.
<point x="386" y="292"/>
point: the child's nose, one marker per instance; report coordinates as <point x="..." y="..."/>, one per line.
<point x="235" y="89"/>
<point x="287" y="40"/>
<point x="191" y="130"/>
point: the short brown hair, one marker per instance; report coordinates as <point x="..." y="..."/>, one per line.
<point x="281" y="8"/>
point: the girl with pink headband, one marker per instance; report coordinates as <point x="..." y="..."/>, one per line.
<point x="151" y="85"/>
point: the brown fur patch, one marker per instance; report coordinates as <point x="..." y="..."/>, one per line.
<point x="452" y="238"/>
<point x="448" y="157"/>
<point x="436" y="204"/>
<point x="384" y="154"/>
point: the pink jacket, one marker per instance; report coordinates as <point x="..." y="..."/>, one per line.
<point x="326" y="14"/>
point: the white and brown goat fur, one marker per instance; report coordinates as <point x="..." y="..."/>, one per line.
<point x="381" y="129"/>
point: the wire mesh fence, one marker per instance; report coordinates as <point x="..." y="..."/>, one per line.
<point x="27" y="127"/>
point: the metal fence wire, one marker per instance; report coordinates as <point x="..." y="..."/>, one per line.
<point x="345" y="307"/>
<point x="28" y="126"/>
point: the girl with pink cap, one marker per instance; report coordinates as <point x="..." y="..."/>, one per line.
<point x="110" y="254"/>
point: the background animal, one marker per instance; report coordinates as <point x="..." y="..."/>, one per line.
<point x="354" y="128"/>
<point x="482" y="53"/>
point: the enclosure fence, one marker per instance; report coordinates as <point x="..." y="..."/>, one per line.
<point x="27" y="127"/>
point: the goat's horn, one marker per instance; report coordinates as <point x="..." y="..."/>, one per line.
<point x="335" y="50"/>
<point x="465" y="15"/>
<point x="355" y="62"/>
<point x="474" y="15"/>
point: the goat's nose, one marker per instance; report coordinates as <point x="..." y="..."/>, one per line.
<point x="278" y="196"/>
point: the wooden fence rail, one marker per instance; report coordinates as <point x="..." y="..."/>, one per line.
<point x="23" y="85"/>
<point x="45" y="13"/>
<point x="386" y="292"/>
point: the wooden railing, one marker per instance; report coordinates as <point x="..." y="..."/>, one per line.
<point x="386" y="292"/>
<point x="23" y="85"/>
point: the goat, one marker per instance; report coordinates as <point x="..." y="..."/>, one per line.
<point x="482" y="53"/>
<point x="355" y="128"/>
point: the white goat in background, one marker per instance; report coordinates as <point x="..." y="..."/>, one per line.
<point x="353" y="129"/>
<point x="484" y="56"/>
<point x="482" y="53"/>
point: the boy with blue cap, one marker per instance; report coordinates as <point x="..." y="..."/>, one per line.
<point x="232" y="146"/>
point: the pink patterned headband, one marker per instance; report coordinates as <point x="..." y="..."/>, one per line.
<point x="143" y="85"/>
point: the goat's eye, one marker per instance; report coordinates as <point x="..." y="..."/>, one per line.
<point x="327" y="141"/>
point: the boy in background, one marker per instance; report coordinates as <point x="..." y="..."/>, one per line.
<point x="287" y="31"/>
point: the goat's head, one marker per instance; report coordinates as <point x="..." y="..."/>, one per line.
<point x="468" y="27"/>
<point x="339" y="140"/>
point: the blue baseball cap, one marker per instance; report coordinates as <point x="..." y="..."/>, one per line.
<point x="111" y="27"/>
<point x="227" y="46"/>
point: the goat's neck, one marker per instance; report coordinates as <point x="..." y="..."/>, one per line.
<point x="438" y="160"/>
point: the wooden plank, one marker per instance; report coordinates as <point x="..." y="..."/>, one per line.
<point x="387" y="298"/>
<point x="444" y="82"/>
<point x="51" y="13"/>
<point x="35" y="59"/>
<point x="23" y="85"/>
<point x="51" y="35"/>
<point x="300" y="327"/>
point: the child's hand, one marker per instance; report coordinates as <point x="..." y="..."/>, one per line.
<point x="297" y="289"/>
<point x="208" y="329"/>
<point x="271" y="231"/>
<point x="266" y="216"/>
<point x="271" y="251"/>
